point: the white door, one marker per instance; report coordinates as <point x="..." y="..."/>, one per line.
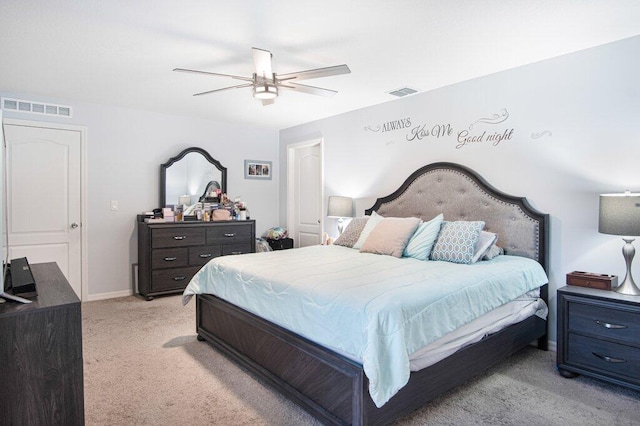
<point x="44" y="196"/>
<point x="306" y="200"/>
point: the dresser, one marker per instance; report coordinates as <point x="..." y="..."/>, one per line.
<point x="599" y="335"/>
<point x="169" y="254"/>
<point x="41" y="354"/>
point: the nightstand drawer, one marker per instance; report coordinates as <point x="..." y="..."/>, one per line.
<point x="169" y="258"/>
<point x="171" y="279"/>
<point x="177" y="237"/>
<point x="605" y="322"/>
<point x="201" y="255"/>
<point x="604" y="357"/>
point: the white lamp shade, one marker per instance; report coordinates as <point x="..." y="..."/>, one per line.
<point x="620" y="214"/>
<point x="340" y="207"/>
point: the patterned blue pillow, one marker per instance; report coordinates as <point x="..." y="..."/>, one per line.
<point x="457" y="241"/>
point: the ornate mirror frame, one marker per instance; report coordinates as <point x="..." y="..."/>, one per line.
<point x="163" y="171"/>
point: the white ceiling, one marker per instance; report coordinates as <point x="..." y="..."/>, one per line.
<point x="122" y="52"/>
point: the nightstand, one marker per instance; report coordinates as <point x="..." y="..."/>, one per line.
<point x="599" y="335"/>
<point x="281" y="244"/>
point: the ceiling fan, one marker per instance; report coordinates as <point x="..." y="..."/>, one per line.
<point x="266" y="83"/>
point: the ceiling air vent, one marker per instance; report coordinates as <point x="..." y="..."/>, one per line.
<point x="20" y="105"/>
<point x="402" y="92"/>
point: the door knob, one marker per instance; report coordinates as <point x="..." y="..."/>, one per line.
<point x="74" y="225"/>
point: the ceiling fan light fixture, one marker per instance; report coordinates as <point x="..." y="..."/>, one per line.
<point x="265" y="91"/>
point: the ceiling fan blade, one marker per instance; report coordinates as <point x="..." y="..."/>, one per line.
<point x="311" y="90"/>
<point x="236" y="77"/>
<point x="224" y="88"/>
<point x="262" y="62"/>
<point x="317" y="73"/>
<point x="266" y="102"/>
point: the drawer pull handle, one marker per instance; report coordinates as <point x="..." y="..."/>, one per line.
<point x="204" y="256"/>
<point x="170" y="259"/>
<point x="609" y="325"/>
<point x="179" y="278"/>
<point x="231" y="234"/>
<point x="180" y="237"/>
<point x="236" y="252"/>
<point x="610" y="359"/>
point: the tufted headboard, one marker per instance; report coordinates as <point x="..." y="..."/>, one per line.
<point x="461" y="194"/>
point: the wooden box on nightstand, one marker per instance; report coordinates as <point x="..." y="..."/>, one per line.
<point x="599" y="335"/>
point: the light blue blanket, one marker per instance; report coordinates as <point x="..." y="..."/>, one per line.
<point x="379" y="309"/>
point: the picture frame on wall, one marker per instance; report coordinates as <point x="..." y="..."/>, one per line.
<point x="256" y="169"/>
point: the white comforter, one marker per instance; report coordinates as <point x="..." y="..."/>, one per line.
<point x="380" y="309"/>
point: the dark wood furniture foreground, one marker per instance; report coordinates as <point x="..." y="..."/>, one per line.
<point x="334" y="388"/>
<point x="169" y="254"/>
<point x="599" y="335"/>
<point x="41" y="355"/>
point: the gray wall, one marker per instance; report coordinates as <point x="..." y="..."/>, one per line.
<point x="574" y="129"/>
<point x="125" y="148"/>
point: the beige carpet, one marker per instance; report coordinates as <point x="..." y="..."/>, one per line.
<point x="144" y="366"/>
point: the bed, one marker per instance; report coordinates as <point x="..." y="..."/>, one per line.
<point x="330" y="382"/>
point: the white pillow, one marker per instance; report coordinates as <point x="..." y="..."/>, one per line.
<point x="483" y="245"/>
<point x="421" y="242"/>
<point x="371" y="223"/>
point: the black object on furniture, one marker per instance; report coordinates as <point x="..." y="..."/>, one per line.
<point x="20" y="278"/>
<point x="169" y="254"/>
<point x="334" y="388"/>
<point x="599" y="335"/>
<point x="281" y="244"/>
<point x="41" y="355"/>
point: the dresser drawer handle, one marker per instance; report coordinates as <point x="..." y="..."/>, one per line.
<point x="179" y="278"/>
<point x="230" y="235"/>
<point x="609" y="325"/>
<point x="170" y="259"/>
<point x="610" y="359"/>
<point x="180" y="237"/>
<point x="204" y="256"/>
<point x="236" y="252"/>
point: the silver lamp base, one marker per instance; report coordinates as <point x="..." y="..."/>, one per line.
<point x="628" y="286"/>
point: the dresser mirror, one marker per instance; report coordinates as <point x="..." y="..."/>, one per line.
<point x="190" y="177"/>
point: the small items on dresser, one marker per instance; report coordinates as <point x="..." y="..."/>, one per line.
<point x="592" y="280"/>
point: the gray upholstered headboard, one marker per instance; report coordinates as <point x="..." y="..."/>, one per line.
<point x="461" y="194"/>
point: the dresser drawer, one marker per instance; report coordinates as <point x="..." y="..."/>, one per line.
<point x="169" y="258"/>
<point x="229" y="234"/>
<point x="605" y="322"/>
<point x="201" y="255"/>
<point x="242" y="248"/>
<point x="177" y="237"/>
<point x="604" y="357"/>
<point x="172" y="279"/>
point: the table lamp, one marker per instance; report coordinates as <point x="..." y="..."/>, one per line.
<point x="340" y="207"/>
<point x="620" y="215"/>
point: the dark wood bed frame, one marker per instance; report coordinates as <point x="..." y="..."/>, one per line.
<point x="335" y="389"/>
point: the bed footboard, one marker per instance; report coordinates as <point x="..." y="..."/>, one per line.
<point x="332" y="387"/>
<point x="326" y="384"/>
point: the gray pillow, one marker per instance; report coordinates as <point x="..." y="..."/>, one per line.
<point x="457" y="241"/>
<point x="352" y="232"/>
<point x="493" y="251"/>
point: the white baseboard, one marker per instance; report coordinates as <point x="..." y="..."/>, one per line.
<point x="111" y="295"/>
<point x="553" y="346"/>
